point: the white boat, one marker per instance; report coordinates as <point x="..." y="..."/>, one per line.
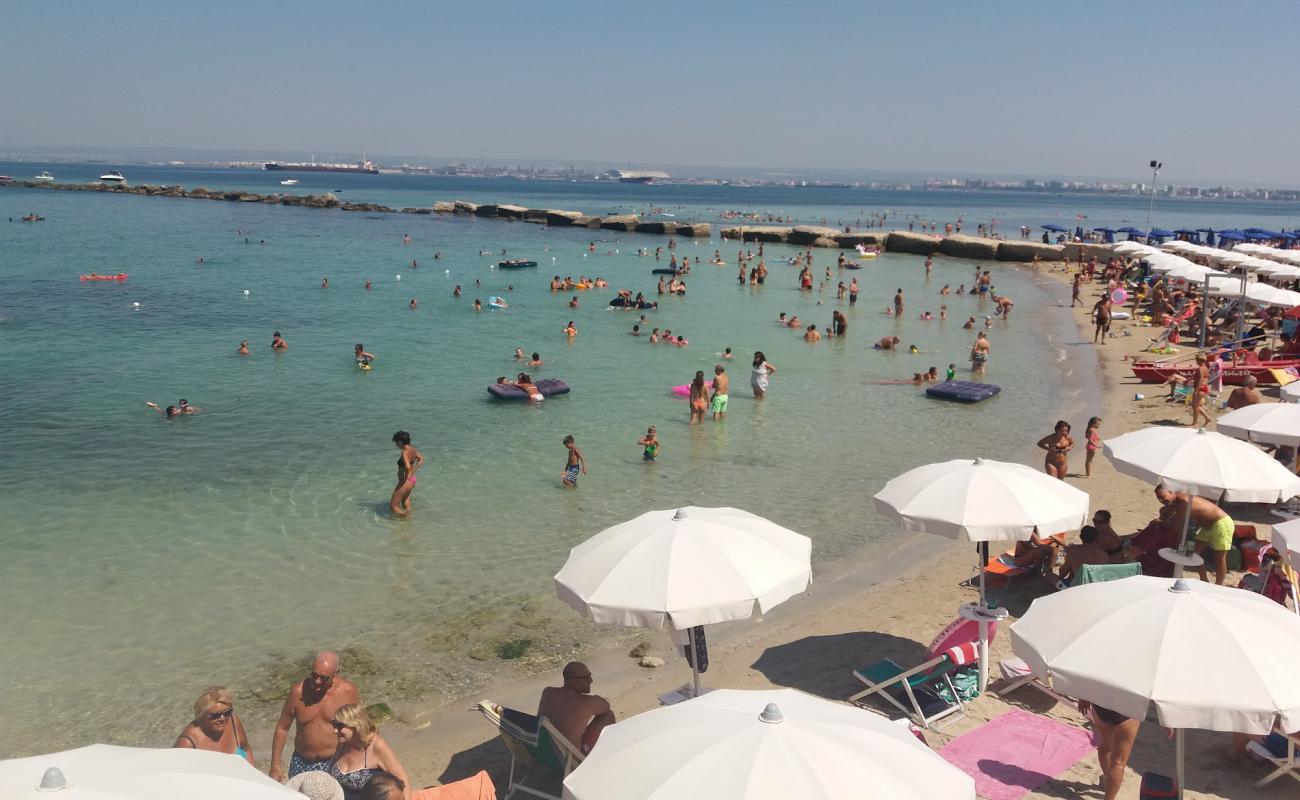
<point x="289" y="182"/>
<point x="113" y="177"/>
<point x="44" y="177"/>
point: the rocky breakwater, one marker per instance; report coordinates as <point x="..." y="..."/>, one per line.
<point x="921" y="244"/>
<point x="326" y="200"/>
<point x="627" y="223"/>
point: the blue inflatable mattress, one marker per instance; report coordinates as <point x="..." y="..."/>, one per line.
<point x="962" y="391"/>
<point x="549" y="387"/>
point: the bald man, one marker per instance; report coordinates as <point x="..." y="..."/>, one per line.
<point x="577" y="713"/>
<point x="311" y="704"/>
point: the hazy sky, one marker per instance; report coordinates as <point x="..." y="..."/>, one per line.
<point x="1085" y="88"/>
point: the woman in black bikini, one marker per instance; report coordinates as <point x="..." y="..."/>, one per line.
<point x="1117" y="734"/>
<point x="407" y="464"/>
<point x="1057" y="444"/>
<point x="362" y="753"/>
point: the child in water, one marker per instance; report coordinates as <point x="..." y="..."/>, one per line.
<point x="574" y="464"/>
<point x="650" y="443"/>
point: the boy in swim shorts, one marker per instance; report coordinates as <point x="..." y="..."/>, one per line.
<point x="721" y="383"/>
<point x="575" y="464"/>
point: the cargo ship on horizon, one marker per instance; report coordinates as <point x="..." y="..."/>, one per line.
<point x="363" y="166"/>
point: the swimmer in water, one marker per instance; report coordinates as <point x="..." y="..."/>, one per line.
<point x="456" y="292"/>
<point x="525" y="382"/>
<point x="364" y="358"/>
<point x="325" y="283"/>
<point x="413" y="304"/>
<point x="887" y="343"/>
<point x="278" y="342"/>
<point x="536" y="360"/>
<point x="410" y="461"/>
<point x="519" y="354"/>
<point x="183" y="407"/>
<point x="943" y="312"/>
<point x="574" y="302"/>
<point x="968" y="324"/>
<point x="243" y="348"/>
<point x="478" y="304"/>
<point x="727" y="353"/>
<point x="570" y="330"/>
<point x="367" y="283"/>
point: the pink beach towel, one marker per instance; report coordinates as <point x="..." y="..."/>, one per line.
<point x="479" y="787"/>
<point x="1016" y="753"/>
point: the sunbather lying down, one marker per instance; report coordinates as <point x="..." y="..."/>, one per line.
<point x="1038" y="552"/>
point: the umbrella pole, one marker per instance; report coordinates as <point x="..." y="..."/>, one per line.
<point x="695" y="674"/>
<point x="982" y="558"/>
<point x="1178" y="756"/>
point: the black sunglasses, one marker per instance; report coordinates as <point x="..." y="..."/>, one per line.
<point x="338" y="726"/>
<point x="216" y="715"/>
<point x="316" y="676"/>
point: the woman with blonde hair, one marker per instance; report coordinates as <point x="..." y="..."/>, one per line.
<point x="215" y="726"/>
<point x="362" y="753"/>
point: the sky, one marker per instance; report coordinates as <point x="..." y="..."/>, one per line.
<point x="1088" y="89"/>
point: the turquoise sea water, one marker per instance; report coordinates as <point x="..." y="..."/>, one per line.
<point x="170" y="555"/>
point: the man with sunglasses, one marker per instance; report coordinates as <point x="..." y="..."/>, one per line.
<point x="312" y="703"/>
<point x="574" y="711"/>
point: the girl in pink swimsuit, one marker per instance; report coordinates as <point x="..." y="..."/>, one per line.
<point x="1092" y="437"/>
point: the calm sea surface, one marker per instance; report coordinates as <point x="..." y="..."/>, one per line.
<point x="145" y="559"/>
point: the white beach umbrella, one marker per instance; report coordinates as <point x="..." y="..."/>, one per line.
<point x="1229" y="257"/>
<point x="1132" y="248"/>
<point x="763" y="745"/>
<point x="1179" y="639"/>
<point x="1291" y="392"/>
<point x="108" y="772"/>
<point x="979" y="500"/>
<point x="1267" y="423"/>
<point x="1286" y="540"/>
<point x="1195" y="273"/>
<point x="683" y="569"/>
<point x="1202" y="462"/>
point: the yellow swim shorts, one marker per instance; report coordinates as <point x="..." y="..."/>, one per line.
<point x="1219" y="535"/>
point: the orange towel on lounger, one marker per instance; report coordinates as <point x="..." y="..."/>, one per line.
<point x="478" y="787"/>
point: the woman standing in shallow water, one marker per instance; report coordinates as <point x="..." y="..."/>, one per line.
<point x="758" y="377"/>
<point x="407" y="464"/>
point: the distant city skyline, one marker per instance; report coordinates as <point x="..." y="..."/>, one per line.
<point x="1017" y="89"/>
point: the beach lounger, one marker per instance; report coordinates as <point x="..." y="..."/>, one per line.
<point x="534" y="742"/>
<point x="916" y="686"/>
<point x="1003" y="567"/>
<point x="1017" y="672"/>
<point x="1279" y="749"/>
<point x="1100" y="573"/>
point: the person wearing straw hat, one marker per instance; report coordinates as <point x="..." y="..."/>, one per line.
<point x="316" y="786"/>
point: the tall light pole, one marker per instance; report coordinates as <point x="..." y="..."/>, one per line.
<point x="1155" y="173"/>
